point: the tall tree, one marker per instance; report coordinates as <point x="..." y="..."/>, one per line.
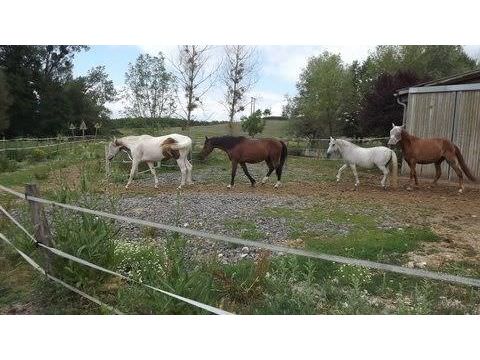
<point x="195" y="77"/>
<point x="5" y="102"/>
<point x="322" y="88"/>
<point x="379" y="108"/>
<point x="238" y="75"/>
<point x="150" y="88"/>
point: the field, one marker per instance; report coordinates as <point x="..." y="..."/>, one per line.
<point x="431" y="228"/>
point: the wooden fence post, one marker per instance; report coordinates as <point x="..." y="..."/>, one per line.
<point x="107" y="163"/>
<point x="40" y="224"/>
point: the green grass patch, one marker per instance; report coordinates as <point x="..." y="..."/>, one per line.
<point x="246" y="229"/>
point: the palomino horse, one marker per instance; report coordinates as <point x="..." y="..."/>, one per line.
<point x="427" y="151"/>
<point x="149" y="149"/>
<point x="242" y="150"/>
<point x="354" y="155"/>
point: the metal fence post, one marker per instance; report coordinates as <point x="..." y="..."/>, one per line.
<point x="40" y="224"/>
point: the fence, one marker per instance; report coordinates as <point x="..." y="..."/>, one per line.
<point x="39" y="222"/>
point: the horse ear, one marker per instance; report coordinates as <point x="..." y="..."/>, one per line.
<point x="206" y="137"/>
<point x="393" y="125"/>
<point x="331" y="138"/>
<point x="403" y="126"/>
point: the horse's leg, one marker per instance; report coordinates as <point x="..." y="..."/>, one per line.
<point x="438" y="172"/>
<point x="278" y="171"/>
<point x="413" y="174"/>
<point x="189" y="170"/>
<point x="152" y="170"/>
<point x="354" y="170"/>
<point x="454" y="164"/>
<point x="245" y="170"/>
<point x="133" y="170"/>
<point x="234" y="172"/>
<point x="270" y="170"/>
<point x="183" y="170"/>
<point x="188" y="167"/>
<point x="339" y="173"/>
<point x="385" y="171"/>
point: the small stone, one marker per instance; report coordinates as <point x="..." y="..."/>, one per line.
<point x="220" y="255"/>
<point x="245" y="249"/>
<point x="474" y="216"/>
<point x="185" y="225"/>
<point x="421" y="264"/>
<point x="243" y="256"/>
<point x="411" y="264"/>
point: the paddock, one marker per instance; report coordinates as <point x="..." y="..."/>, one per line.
<point x="430" y="228"/>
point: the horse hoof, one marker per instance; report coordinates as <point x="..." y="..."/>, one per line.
<point x="277" y="185"/>
<point x="229" y="186"/>
<point x="409" y="188"/>
<point x="252" y="185"/>
<point x="460" y="191"/>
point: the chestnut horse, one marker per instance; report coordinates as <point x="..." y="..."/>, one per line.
<point x="429" y="151"/>
<point x="242" y="150"/>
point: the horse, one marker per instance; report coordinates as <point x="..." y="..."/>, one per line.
<point x="354" y="155"/>
<point x="241" y="150"/>
<point x="149" y="149"/>
<point x="429" y="151"/>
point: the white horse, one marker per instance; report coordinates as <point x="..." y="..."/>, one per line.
<point x="354" y="155"/>
<point x="149" y="149"/>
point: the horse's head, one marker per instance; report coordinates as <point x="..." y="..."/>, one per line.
<point x="395" y="134"/>
<point x="207" y="148"/>
<point x="113" y="149"/>
<point x="332" y="147"/>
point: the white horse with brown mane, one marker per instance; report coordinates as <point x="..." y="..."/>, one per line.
<point x="354" y="155"/>
<point x="149" y="149"/>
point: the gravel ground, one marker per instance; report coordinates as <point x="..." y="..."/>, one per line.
<point x="213" y="213"/>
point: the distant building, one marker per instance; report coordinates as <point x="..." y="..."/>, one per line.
<point x="448" y="108"/>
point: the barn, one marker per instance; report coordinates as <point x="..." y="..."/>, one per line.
<point x="449" y="108"/>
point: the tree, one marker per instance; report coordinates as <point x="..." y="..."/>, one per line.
<point x="150" y="88"/>
<point x="323" y="86"/>
<point x="5" y="102"/>
<point x="88" y="95"/>
<point x="45" y="97"/>
<point x="238" y="76"/>
<point x="253" y="124"/>
<point x="194" y="78"/>
<point x="379" y="109"/>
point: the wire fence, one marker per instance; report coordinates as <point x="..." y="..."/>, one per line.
<point x="438" y="276"/>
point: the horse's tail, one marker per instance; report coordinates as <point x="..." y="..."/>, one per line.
<point x="283" y="155"/>
<point x="394" y="164"/>
<point x="463" y="165"/>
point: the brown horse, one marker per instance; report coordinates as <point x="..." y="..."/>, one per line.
<point x="242" y="150"/>
<point x="429" y="151"/>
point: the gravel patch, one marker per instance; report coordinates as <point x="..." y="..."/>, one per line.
<point x="215" y="213"/>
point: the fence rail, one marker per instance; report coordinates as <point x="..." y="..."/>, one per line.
<point x="261" y="245"/>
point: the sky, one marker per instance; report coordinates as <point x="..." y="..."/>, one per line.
<point x="279" y="69"/>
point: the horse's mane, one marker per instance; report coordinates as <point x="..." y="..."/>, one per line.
<point x="227" y="141"/>
<point x="343" y="141"/>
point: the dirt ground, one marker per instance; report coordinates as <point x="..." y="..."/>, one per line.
<point x="454" y="217"/>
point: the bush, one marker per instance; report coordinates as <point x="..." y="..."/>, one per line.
<point x="38" y="155"/>
<point x="7" y="165"/>
<point x="87" y="237"/>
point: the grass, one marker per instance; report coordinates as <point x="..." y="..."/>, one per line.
<point x="273" y="128"/>
<point x="351" y="232"/>
<point x="246" y="229"/>
<point x="269" y="285"/>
